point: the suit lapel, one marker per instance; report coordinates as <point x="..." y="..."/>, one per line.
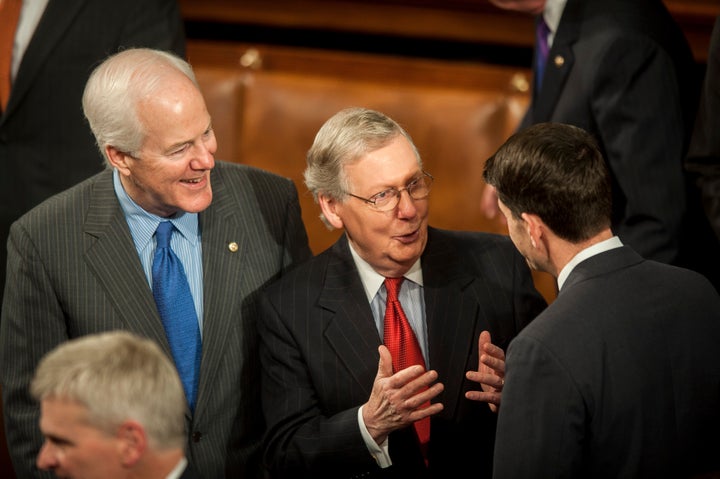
<point x="351" y="331"/>
<point x="449" y="303"/>
<point x="222" y="281"/>
<point x="57" y="18"/>
<point x="111" y="255"/>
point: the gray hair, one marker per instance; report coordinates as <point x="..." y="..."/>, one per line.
<point x="115" y="88"/>
<point x="343" y="139"/>
<point x="117" y="376"/>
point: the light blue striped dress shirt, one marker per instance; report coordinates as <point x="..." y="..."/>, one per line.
<point x="186" y="245"/>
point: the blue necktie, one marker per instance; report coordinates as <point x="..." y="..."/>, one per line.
<point x="542" y="31"/>
<point x="177" y="311"/>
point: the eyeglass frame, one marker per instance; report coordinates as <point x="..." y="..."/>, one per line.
<point x="372" y="201"/>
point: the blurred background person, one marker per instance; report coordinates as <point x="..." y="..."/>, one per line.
<point x="620" y="375"/>
<point x="623" y="71"/>
<point x="111" y="407"/>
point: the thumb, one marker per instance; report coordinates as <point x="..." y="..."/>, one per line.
<point x="385" y="364"/>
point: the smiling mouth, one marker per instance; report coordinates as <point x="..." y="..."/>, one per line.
<point x="193" y="181"/>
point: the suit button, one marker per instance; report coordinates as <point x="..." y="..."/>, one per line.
<point x="196" y="436"/>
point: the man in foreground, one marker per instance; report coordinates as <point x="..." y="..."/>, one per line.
<point x="112" y="407"/>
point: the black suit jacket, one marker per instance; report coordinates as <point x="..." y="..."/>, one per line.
<point x="623" y="71"/>
<point x="74" y="271"/>
<point x="45" y="143"/>
<point x="319" y="356"/>
<point x="618" y="377"/>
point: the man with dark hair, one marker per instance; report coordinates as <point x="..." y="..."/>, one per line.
<point x="620" y="375"/>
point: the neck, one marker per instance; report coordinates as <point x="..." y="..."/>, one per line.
<point x="564" y="251"/>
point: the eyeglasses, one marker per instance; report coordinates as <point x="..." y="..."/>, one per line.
<point x="386" y="200"/>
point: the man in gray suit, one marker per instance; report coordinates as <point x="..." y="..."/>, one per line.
<point x="620" y="375"/>
<point x="81" y="261"/>
<point x="336" y="402"/>
<point x="112" y="407"/>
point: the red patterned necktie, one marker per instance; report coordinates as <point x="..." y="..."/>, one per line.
<point x="404" y="347"/>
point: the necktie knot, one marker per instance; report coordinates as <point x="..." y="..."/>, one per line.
<point x="392" y="286"/>
<point x="163" y="234"/>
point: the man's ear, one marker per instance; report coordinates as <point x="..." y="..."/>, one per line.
<point x="118" y="159"/>
<point x="534" y="227"/>
<point x="329" y="207"/>
<point x="132" y="441"/>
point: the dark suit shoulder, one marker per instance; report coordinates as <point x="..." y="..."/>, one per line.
<point x="69" y="200"/>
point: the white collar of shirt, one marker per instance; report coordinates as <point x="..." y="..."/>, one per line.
<point x="588" y="252"/>
<point x="30" y="16"/>
<point x="143" y="224"/>
<point x="372" y="281"/>
<point x="178" y="470"/>
<point x="552" y="13"/>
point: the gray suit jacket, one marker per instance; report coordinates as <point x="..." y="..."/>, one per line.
<point x="46" y="144"/>
<point x="319" y="357"/>
<point x="609" y="61"/>
<point x="73" y="270"/>
<point x="618" y="377"/>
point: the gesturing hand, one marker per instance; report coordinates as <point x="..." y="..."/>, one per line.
<point x="396" y="399"/>
<point x="490" y="373"/>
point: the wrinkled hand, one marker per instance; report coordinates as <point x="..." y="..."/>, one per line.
<point x="490" y="373"/>
<point x="396" y="399"/>
<point x="489" y="204"/>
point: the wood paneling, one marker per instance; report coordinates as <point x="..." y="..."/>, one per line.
<point x="268" y="102"/>
<point x="470" y="21"/>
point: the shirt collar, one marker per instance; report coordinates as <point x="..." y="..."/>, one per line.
<point x="177" y="471"/>
<point x="597" y="248"/>
<point x="372" y="281"/>
<point x="552" y="13"/>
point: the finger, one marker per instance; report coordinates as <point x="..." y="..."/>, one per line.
<point x="483" y="339"/>
<point x="491" y="398"/>
<point x="492" y="365"/>
<point x="424" y="395"/>
<point x="493" y="350"/>
<point x="492" y="380"/>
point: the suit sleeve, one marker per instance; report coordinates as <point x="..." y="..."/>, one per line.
<point x="301" y="440"/>
<point x="32" y="324"/>
<point x="644" y="145"/>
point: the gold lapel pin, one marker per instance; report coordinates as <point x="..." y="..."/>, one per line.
<point x="233" y="247"/>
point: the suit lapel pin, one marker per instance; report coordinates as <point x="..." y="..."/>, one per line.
<point x="559" y="60"/>
<point x="233" y="247"/>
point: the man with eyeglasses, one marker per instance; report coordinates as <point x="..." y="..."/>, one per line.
<point x="337" y="403"/>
